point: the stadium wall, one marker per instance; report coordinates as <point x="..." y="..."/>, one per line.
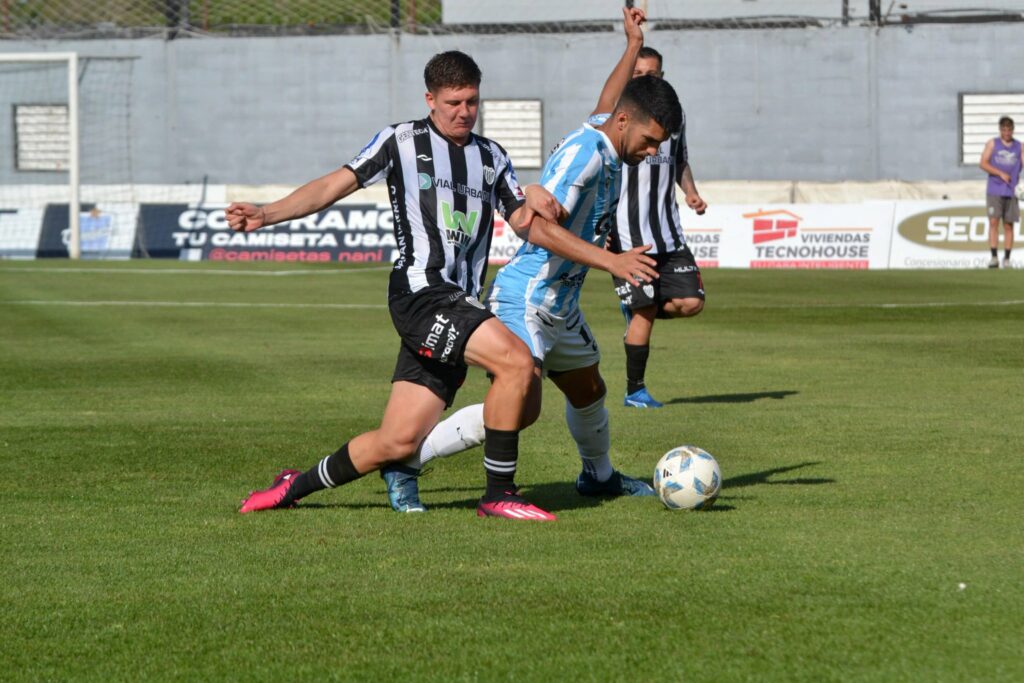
<point x="833" y="104"/>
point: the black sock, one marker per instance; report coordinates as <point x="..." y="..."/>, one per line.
<point x="334" y="470"/>
<point x="501" y="451"/>
<point x="995" y="252"/>
<point x="636" y="366"/>
<point x="1007" y="256"/>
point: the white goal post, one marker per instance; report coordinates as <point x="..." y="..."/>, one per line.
<point x="70" y="162"/>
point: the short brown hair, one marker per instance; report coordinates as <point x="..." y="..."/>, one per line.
<point x="650" y="53"/>
<point x="1005" y="121"/>
<point x="451" y="69"/>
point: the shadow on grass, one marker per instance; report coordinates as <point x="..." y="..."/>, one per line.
<point x="734" y="398"/>
<point x="552" y="496"/>
<point x="763" y="477"/>
<point x="562" y="495"/>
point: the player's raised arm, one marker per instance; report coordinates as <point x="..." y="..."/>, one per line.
<point x="632" y="19"/>
<point x="316" y="195"/>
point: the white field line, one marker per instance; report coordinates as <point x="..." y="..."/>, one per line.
<point x="258" y="304"/>
<point x="920" y="304"/>
<point x="189" y="271"/>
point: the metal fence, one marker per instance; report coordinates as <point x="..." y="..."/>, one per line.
<point x="168" y="19"/>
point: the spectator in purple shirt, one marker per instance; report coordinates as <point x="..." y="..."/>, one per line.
<point x="1002" y="161"/>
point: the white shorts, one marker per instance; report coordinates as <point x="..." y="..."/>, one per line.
<point x="559" y="343"/>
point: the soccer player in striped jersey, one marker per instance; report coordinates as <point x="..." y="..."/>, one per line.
<point x="537" y="293"/>
<point x="649" y="214"/>
<point x="445" y="183"/>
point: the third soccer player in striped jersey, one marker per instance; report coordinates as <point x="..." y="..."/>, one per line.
<point x="649" y="214"/>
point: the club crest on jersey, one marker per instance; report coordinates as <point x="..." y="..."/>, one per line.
<point x="459" y="226"/>
<point x="489" y="175"/>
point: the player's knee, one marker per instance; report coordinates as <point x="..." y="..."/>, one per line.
<point x="585" y="392"/>
<point x="692" y="307"/>
<point x="684" y="308"/>
<point x="516" y="365"/>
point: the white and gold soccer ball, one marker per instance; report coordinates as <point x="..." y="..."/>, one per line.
<point x="687" y="478"/>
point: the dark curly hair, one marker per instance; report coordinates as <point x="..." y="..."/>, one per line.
<point x="653" y="98"/>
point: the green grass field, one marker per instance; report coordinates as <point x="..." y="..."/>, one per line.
<point x="868" y="425"/>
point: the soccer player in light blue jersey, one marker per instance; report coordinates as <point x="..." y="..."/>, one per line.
<point x="536" y="295"/>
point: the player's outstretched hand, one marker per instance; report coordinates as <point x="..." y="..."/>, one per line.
<point x="634" y="266"/>
<point x="695" y="202"/>
<point x="632" y="19"/>
<point x="245" y="217"/>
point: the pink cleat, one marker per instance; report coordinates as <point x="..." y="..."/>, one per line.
<point x="273" y="497"/>
<point x="511" y="506"/>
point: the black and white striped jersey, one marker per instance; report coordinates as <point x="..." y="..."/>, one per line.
<point x="443" y="198"/>
<point x="648" y="212"/>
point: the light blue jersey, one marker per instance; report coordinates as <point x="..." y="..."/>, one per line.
<point x="583" y="175"/>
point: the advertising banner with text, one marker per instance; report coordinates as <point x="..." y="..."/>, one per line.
<point x="848" y="236"/>
<point x="903" y="234"/>
<point x="353" y="233"/>
<point x="943" y="235"/>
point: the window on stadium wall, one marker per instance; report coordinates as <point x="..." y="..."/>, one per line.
<point x="979" y="120"/>
<point x="516" y="125"/>
<point x="41" y="140"/>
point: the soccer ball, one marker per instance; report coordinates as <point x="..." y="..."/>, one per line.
<point x="687" y="478"/>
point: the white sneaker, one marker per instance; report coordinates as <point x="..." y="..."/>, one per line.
<point x="1007" y="264"/>
<point x="993" y="262"/>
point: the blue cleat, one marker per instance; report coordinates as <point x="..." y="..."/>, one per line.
<point x="641" y="399"/>
<point x="403" y="488"/>
<point x="617" y="485"/>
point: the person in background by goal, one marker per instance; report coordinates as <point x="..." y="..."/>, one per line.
<point x="1001" y="159"/>
<point x="648" y="213"/>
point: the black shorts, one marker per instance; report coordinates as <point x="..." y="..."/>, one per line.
<point x="434" y="325"/>
<point x="680" y="279"/>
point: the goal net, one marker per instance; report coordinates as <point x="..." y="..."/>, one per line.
<point x="66" y="190"/>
